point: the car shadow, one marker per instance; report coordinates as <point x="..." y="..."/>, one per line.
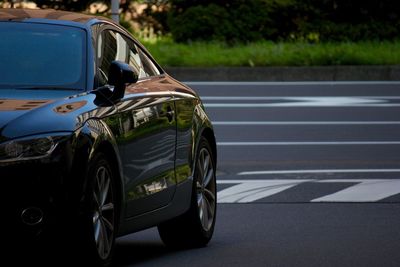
<point x="134" y="252"/>
<point x="131" y="250"/>
<point x="143" y="247"/>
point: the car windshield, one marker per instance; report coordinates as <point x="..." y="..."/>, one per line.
<point x="34" y="56"/>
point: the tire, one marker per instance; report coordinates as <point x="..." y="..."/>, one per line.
<point x="99" y="219"/>
<point x="195" y="227"/>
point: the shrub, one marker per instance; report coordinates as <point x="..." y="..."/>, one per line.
<point x="228" y="21"/>
<point x="209" y="22"/>
<point x="279" y="20"/>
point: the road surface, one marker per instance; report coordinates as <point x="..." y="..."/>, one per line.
<point x="308" y="175"/>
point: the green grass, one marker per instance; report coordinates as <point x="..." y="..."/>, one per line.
<point x="199" y="54"/>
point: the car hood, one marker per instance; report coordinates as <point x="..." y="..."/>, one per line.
<point x="29" y="112"/>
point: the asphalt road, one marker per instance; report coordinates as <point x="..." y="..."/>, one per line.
<point x="308" y="175"/>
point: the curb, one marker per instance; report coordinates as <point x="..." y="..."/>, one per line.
<point x="323" y="73"/>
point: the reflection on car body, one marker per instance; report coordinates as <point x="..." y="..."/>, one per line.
<point x="96" y="139"/>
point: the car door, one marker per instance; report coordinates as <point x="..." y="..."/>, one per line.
<point x="147" y="136"/>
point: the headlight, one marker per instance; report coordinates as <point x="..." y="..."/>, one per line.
<point x="32" y="147"/>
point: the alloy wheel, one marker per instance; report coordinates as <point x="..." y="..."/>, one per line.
<point x="103" y="214"/>
<point x="205" y="188"/>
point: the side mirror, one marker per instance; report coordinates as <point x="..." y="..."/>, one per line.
<point x="119" y="75"/>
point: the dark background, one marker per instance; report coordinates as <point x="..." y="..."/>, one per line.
<point x="235" y="21"/>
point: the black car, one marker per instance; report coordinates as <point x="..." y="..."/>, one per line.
<point x="96" y="139"/>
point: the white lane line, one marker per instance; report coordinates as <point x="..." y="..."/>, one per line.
<point x="249" y="191"/>
<point x="365" y="191"/>
<point x="222" y="83"/>
<point x="320" y="171"/>
<point x="311" y="101"/>
<point x="301" y="98"/>
<point x="333" y="143"/>
<point x="238" y="181"/>
<point x="295" y="104"/>
<point x="238" y="123"/>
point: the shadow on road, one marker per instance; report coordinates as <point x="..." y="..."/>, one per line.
<point x="133" y="252"/>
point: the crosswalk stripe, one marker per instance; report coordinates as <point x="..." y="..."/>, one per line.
<point x="319" y="171"/>
<point x="365" y="190"/>
<point x="249" y="191"/>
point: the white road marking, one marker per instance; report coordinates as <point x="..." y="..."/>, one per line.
<point x="222" y="83"/>
<point x="311" y="101"/>
<point x="339" y="99"/>
<point x="275" y="105"/>
<point x="320" y="171"/>
<point x="366" y="190"/>
<point x="252" y="190"/>
<point x="333" y="143"/>
<point x="238" y="123"/>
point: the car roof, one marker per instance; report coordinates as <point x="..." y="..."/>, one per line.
<point x="11" y="14"/>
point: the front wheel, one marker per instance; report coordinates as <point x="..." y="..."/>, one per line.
<point x="195" y="228"/>
<point x="99" y="219"/>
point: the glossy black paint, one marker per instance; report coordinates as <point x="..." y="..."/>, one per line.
<point x="149" y="133"/>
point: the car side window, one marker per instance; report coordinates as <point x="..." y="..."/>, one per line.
<point x="139" y="61"/>
<point x="112" y="46"/>
<point x="148" y="66"/>
<point x="106" y="53"/>
<point x="135" y="61"/>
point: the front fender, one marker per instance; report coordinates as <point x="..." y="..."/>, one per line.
<point x="95" y="136"/>
<point x="202" y="126"/>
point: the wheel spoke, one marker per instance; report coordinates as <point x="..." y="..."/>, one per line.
<point x="105" y="190"/>
<point x="96" y="199"/>
<point x="206" y="164"/>
<point x="198" y="185"/>
<point x="201" y="208"/>
<point x="208" y="177"/>
<point x="205" y="214"/>
<point x="209" y="195"/>
<point x="96" y="229"/>
<point x="106" y="238"/>
<point x="202" y="158"/>
<point x="108" y="224"/>
<point x="107" y="207"/>
<point x="199" y="200"/>
<point x="100" y="240"/>
<point x="200" y="169"/>
<point x="100" y="179"/>
<point x="209" y="207"/>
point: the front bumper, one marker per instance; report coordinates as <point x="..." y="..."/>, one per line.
<point x="39" y="195"/>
